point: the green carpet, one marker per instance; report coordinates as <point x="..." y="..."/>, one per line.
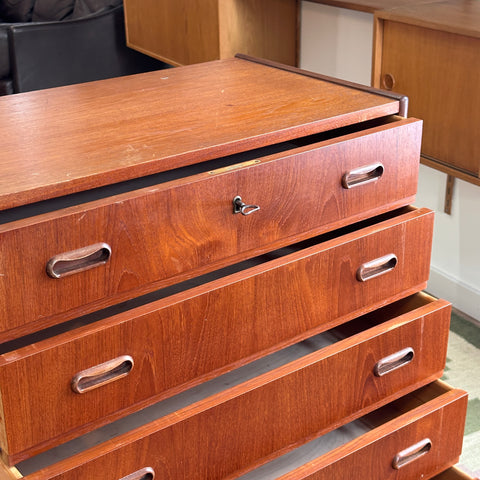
<point x="463" y="371"/>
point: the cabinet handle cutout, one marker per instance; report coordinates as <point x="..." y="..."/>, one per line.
<point x="376" y="267"/>
<point x="79" y="260"/>
<point x="102" y="374"/>
<point x="394" y="361"/>
<point x="143" y="474"/>
<point x="388" y="81"/>
<point x="362" y="175"/>
<point x="243" y="208"/>
<point x="412" y="453"/>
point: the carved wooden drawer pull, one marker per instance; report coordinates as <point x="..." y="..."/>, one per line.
<point x="362" y="175"/>
<point x="79" y="260"/>
<point x="143" y="474"/>
<point x="394" y="361"/>
<point x="102" y="374"/>
<point x="412" y="453"/>
<point x="376" y="267"/>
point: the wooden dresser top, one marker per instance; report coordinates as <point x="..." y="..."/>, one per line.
<point x="69" y="139"/>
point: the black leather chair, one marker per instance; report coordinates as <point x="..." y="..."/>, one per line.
<point x="39" y="55"/>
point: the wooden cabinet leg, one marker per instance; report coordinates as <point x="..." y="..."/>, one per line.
<point x="449" y="194"/>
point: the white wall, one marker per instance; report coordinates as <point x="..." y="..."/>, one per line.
<point x="455" y="267"/>
<point x="329" y="42"/>
<point x="338" y="42"/>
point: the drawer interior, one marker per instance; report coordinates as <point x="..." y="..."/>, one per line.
<point x="226" y="381"/>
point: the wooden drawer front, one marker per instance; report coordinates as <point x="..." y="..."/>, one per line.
<point x="181" y="340"/>
<point x="439" y="416"/>
<point x="161" y="235"/>
<point x="393" y="449"/>
<point x="238" y="427"/>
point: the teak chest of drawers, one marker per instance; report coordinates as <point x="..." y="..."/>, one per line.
<point x="215" y="272"/>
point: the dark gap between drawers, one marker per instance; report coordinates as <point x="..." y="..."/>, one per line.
<point x="191" y="283"/>
<point x="51" y="205"/>
<point x="236" y="377"/>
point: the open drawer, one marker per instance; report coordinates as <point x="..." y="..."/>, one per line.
<point x="268" y="406"/>
<point x="417" y="436"/>
<point x="73" y="382"/>
<point x="70" y="261"/>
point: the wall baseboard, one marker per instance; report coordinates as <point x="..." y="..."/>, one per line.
<point x="462" y="296"/>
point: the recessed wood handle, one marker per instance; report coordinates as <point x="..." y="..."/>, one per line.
<point x="79" y="260"/>
<point x="376" y="267"/>
<point x="143" y="474"/>
<point x="412" y="453"/>
<point x="394" y="361"/>
<point x="102" y="374"/>
<point x="362" y="175"/>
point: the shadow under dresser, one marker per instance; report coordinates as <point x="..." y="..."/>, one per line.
<point x="215" y="272"/>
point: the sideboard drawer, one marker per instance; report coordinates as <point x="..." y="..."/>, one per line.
<point x="291" y="396"/>
<point x="417" y="436"/>
<point x="197" y="334"/>
<point x="230" y="434"/>
<point x="65" y="263"/>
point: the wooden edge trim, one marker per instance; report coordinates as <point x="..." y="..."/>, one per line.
<point x="404" y="14"/>
<point x="449" y="169"/>
<point x="349" y="5"/>
<point x="298" y="41"/>
<point x="402" y="99"/>
<point x="377" y="52"/>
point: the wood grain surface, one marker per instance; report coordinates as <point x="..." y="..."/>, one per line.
<point x="166" y="233"/>
<point x="78" y="137"/>
<point x="431" y="53"/>
<point x="179" y="341"/>
<point x="210" y="441"/>
<point x="193" y="31"/>
<point x="371" y="455"/>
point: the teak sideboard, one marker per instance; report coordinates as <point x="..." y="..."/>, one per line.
<point x="431" y="52"/>
<point x="214" y="272"/>
<point x="182" y="32"/>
